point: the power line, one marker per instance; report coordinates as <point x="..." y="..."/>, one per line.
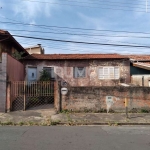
<point x="106" y="1"/>
<point x="86" y="6"/>
<point x="77" y="34"/>
<point x="74" y="50"/>
<point x="89" y="29"/>
<point x="111" y="31"/>
<point x="131" y="2"/>
<point x="59" y="47"/>
<point x="101" y="50"/>
<point x="70" y="49"/>
<point x="105" y="35"/>
<point x="78" y="47"/>
<point x="85" y="2"/>
<point x="60" y="27"/>
<point x="80" y="42"/>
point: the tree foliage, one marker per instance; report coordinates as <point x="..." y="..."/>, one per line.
<point x="44" y="76"/>
<point x="17" y="55"/>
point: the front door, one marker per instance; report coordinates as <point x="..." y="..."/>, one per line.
<point x="32" y="74"/>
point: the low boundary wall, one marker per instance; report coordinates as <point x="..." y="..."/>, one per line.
<point x="98" y="99"/>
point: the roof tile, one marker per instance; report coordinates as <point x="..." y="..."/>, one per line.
<point x="139" y="57"/>
<point x="74" y="56"/>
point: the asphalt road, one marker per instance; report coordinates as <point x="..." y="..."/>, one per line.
<point x="75" y="138"/>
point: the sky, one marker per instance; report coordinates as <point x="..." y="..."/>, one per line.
<point x="117" y="22"/>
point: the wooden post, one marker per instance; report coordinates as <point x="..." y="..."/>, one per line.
<point x="24" y="95"/>
<point x="60" y="96"/>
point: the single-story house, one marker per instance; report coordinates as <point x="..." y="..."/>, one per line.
<point x="80" y="69"/>
<point x="84" y="74"/>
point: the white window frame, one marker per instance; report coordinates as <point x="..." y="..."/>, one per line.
<point x="109" y="72"/>
<point x="79" y="74"/>
<point x="116" y="75"/>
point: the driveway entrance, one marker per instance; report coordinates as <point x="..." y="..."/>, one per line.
<point x="28" y="95"/>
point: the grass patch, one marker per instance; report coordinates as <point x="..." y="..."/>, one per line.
<point x="54" y="123"/>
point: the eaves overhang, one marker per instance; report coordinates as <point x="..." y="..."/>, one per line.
<point x="142" y="65"/>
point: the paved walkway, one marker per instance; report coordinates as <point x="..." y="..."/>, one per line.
<point x="50" y="117"/>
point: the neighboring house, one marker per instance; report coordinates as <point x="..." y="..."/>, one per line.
<point x="10" y="68"/>
<point x="35" y="49"/>
<point x="9" y="45"/>
<point x="140" y="69"/>
<point x="80" y="69"/>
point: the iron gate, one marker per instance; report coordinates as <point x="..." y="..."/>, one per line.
<point x="25" y="95"/>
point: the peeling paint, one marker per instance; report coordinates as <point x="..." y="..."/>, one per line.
<point x="64" y="71"/>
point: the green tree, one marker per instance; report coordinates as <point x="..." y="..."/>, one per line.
<point x="17" y="55"/>
<point x="44" y="76"/>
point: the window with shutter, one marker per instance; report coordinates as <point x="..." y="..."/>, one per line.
<point x="116" y="71"/>
<point x="101" y="76"/>
<point x="109" y="73"/>
<point x="106" y="73"/>
<point x="79" y="72"/>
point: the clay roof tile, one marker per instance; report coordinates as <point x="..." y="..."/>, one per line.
<point x="74" y="56"/>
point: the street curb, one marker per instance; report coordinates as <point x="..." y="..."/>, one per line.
<point x="53" y="123"/>
<point x="104" y="123"/>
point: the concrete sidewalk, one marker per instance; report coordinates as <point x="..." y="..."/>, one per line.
<point x="37" y="116"/>
<point x="50" y="117"/>
<point x="102" y="118"/>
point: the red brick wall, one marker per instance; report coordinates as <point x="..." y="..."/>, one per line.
<point x="94" y="98"/>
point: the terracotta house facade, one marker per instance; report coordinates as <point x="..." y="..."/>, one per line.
<point x="80" y="69"/>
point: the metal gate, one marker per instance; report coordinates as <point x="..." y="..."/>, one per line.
<point x="25" y="95"/>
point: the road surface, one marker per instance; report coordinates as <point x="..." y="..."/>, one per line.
<point x="75" y="138"/>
